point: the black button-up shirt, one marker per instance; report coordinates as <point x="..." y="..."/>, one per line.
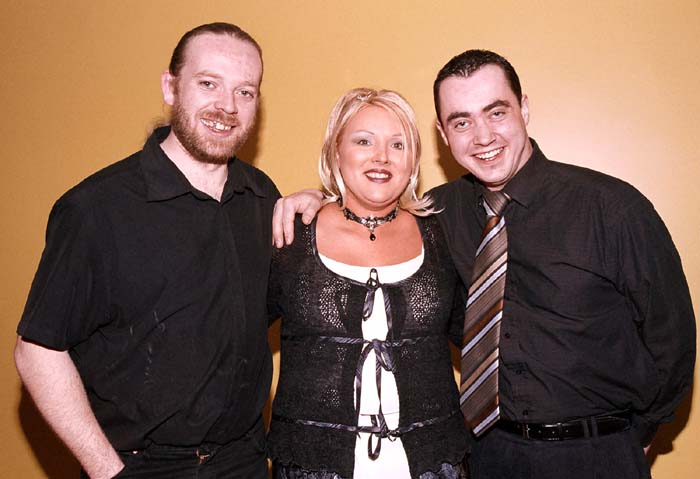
<point x="158" y="292"/>
<point x="597" y="315"/>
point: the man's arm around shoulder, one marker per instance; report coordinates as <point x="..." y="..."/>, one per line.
<point x="306" y="202"/>
<point x="55" y="385"/>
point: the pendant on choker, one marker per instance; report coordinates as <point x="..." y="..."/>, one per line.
<point x="370" y="222"/>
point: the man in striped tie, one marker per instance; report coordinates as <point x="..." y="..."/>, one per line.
<point x="579" y="334"/>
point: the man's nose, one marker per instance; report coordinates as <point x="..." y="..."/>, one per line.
<point x="483" y="135"/>
<point x="227" y="103"/>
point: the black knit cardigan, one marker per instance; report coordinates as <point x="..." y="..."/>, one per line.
<point x="317" y="373"/>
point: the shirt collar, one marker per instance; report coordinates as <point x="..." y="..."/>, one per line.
<point x="525" y="186"/>
<point x="164" y="181"/>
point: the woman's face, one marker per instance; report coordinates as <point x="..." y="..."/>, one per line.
<point x="373" y="161"/>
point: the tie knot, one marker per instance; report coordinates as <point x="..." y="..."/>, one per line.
<point x="496" y="201"/>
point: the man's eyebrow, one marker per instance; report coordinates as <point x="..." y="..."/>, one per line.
<point x="466" y="114"/>
<point x="218" y="76"/>
<point x="207" y="73"/>
<point x="457" y="114"/>
<point x="495" y="104"/>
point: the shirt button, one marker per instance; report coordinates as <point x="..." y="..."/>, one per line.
<point x="507" y="335"/>
<point x="526" y="412"/>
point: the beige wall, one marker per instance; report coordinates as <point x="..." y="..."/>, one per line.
<point x="613" y="85"/>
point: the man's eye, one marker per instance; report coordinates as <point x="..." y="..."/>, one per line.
<point x="206" y="84"/>
<point x="247" y="93"/>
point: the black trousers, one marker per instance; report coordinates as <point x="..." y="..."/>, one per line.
<point x="503" y="455"/>
<point x="242" y="458"/>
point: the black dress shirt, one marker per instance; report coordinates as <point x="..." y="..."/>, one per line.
<point x="158" y="292"/>
<point x="597" y="314"/>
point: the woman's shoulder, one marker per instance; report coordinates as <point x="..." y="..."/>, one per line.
<point x="430" y="228"/>
<point x="302" y="244"/>
<point x="300" y="227"/>
<point x="430" y="221"/>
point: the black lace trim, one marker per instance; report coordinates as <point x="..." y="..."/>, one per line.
<point x="445" y="471"/>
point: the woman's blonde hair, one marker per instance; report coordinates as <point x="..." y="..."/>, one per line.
<point x="344" y="110"/>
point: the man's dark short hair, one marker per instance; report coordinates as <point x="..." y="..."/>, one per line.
<point x="470" y="61"/>
<point x="218" y="28"/>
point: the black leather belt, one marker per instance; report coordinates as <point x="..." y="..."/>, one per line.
<point x="560" y="431"/>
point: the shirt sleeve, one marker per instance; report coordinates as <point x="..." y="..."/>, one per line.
<point x="68" y="297"/>
<point x="650" y="275"/>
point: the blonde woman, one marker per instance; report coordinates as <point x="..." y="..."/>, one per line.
<point x="369" y="298"/>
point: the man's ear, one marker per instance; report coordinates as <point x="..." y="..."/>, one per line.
<point x="442" y="133"/>
<point x="525" y="109"/>
<point x="167" y="86"/>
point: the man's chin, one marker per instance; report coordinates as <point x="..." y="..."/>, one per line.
<point x="216" y="156"/>
<point x="213" y="159"/>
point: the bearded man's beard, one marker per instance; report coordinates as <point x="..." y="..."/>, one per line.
<point x="214" y="151"/>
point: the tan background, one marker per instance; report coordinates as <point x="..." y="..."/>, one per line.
<point x="613" y="85"/>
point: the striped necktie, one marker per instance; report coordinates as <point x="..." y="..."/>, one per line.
<point x="482" y="324"/>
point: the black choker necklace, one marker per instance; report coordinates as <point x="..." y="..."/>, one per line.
<point x="370" y="222"/>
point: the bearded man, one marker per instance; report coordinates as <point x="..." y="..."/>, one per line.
<point x="144" y="337"/>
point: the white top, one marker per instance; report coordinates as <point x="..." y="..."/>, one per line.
<point x="392" y="461"/>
